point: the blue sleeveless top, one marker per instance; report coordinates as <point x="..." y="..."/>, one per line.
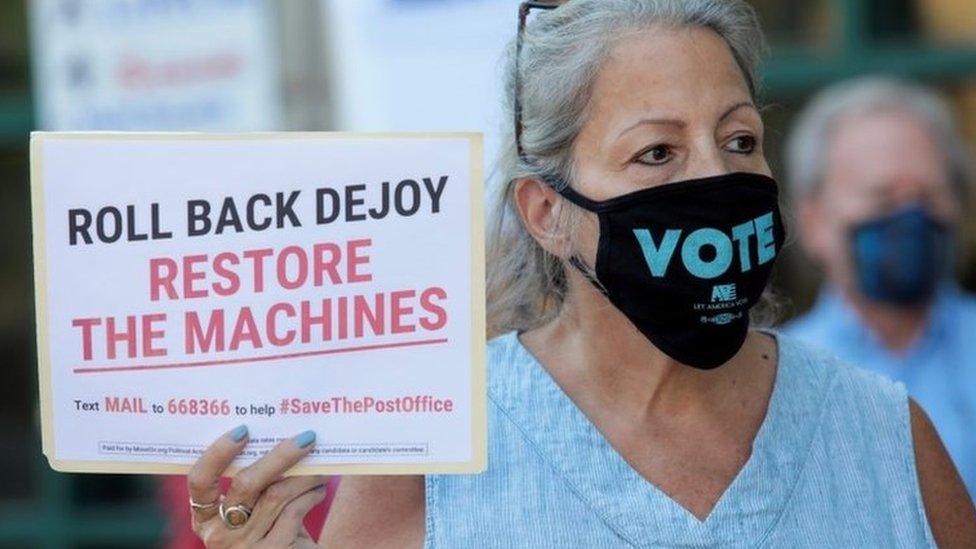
<point x="832" y="465"/>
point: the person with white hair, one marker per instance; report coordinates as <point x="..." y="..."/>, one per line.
<point x="880" y="176"/>
<point x="631" y="403"/>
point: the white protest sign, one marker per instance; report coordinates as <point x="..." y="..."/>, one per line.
<point x="189" y="283"/>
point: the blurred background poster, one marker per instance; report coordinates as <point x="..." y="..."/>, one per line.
<point x="189" y="65"/>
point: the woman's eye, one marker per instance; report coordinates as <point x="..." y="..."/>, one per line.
<point x="658" y="155"/>
<point x="743" y="144"/>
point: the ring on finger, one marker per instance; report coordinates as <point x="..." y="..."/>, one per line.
<point x="202" y="506"/>
<point x="234" y="516"/>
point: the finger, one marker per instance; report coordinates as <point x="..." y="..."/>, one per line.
<point x="275" y="497"/>
<point x="253" y="479"/>
<point x="289" y="525"/>
<point x="203" y="481"/>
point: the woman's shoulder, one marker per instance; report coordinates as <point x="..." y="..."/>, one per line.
<point x="501" y="347"/>
<point x="849" y="408"/>
<point x="869" y="422"/>
<point x="858" y="417"/>
<point x="836" y="379"/>
<point x="398" y="511"/>
<point x="509" y="365"/>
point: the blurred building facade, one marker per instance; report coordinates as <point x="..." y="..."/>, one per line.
<point x="358" y="65"/>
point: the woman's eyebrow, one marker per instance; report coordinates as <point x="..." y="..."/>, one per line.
<point x="664" y="121"/>
<point x="736" y="107"/>
<point x="681" y="123"/>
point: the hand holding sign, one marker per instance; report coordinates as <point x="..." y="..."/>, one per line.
<point x="277" y="505"/>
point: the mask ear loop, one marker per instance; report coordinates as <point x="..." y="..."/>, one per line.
<point x="564" y="190"/>
<point x="587" y="273"/>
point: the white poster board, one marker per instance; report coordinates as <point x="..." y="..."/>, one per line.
<point x="189" y="283"/>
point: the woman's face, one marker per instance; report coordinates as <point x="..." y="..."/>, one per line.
<point x="667" y="105"/>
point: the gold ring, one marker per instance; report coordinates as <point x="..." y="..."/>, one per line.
<point x="234" y="516"/>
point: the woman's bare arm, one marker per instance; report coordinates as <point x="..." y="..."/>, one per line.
<point x="376" y="511"/>
<point x="949" y="508"/>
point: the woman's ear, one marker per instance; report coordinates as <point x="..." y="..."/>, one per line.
<point x="541" y="208"/>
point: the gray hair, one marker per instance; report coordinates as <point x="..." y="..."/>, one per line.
<point x="562" y="52"/>
<point x="807" y="147"/>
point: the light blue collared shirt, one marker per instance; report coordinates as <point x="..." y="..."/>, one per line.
<point x="939" y="370"/>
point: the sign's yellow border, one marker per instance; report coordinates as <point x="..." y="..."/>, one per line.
<point x="479" y="425"/>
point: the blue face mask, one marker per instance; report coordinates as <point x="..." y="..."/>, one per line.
<point x="901" y="258"/>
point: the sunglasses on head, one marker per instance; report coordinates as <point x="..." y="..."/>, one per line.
<point x="523" y="15"/>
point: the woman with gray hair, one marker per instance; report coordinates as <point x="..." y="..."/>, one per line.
<point x="630" y="403"/>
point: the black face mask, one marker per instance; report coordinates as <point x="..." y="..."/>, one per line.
<point x="684" y="262"/>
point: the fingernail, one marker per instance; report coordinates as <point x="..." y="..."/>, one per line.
<point x="238" y="433"/>
<point x="304" y="439"/>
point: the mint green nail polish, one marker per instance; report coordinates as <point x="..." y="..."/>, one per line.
<point x="238" y="433"/>
<point x="304" y="439"/>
